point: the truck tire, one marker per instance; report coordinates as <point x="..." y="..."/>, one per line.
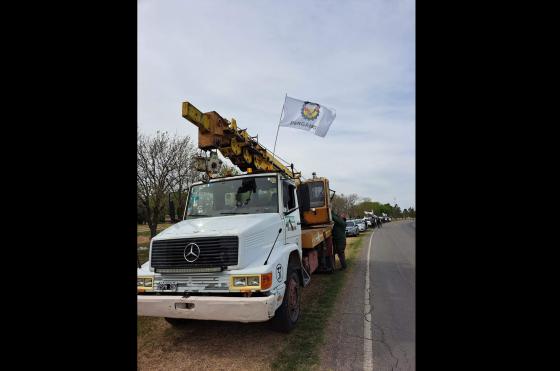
<point x="287" y="314"/>
<point x="177" y="322"/>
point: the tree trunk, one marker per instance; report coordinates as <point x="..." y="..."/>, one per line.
<point x="153" y="221"/>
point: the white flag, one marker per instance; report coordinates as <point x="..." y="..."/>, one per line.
<point x="307" y="116"/>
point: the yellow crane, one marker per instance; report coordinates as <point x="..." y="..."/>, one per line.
<point x="215" y="132"/>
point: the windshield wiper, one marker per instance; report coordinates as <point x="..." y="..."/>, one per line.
<point x="232" y="213"/>
<point x="196" y="215"/>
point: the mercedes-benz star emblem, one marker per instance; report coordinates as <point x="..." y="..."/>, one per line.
<point x="191" y="252"/>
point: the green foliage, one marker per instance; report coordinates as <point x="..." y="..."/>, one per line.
<point x="350" y="206"/>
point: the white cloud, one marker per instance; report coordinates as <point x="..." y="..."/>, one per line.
<point x="240" y="58"/>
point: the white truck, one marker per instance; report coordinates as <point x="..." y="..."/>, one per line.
<point x="248" y="243"/>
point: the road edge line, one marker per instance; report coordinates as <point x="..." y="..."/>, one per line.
<point x="368" y="335"/>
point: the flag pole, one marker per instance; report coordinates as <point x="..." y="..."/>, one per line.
<point x="278" y="129"/>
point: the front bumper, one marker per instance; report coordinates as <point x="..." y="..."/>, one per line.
<point x="217" y="308"/>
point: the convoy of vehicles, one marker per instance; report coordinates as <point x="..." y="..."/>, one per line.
<point x="383" y="218"/>
<point x="248" y="243"/>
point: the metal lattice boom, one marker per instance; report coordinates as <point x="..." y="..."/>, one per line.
<point x="215" y="132"/>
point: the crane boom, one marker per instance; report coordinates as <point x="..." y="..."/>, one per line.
<point x="215" y="132"/>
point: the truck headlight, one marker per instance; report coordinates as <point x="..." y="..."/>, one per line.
<point x="145" y="282"/>
<point x="253" y="281"/>
<point x="239" y="281"/>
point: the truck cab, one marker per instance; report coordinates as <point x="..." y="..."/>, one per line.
<point x="235" y="256"/>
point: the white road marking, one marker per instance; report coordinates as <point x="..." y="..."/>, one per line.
<point x="368" y="335"/>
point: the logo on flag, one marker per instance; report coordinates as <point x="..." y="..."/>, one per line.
<point x="310" y="110"/>
<point x="308" y="116"/>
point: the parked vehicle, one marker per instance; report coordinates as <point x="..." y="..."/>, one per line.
<point x="361" y="225"/>
<point x="352" y="228"/>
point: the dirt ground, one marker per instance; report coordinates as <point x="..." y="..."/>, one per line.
<point x="205" y="345"/>
<point x="214" y="345"/>
<point x="143" y="240"/>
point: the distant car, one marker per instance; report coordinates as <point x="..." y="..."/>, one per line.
<point x="352" y="228"/>
<point x="361" y="225"/>
<point x="368" y="223"/>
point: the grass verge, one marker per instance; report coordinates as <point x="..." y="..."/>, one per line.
<point x="318" y="299"/>
<point x="144" y="230"/>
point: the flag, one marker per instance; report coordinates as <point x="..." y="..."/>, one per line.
<point x="307" y="116"/>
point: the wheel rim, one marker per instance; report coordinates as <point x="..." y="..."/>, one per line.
<point x="293" y="300"/>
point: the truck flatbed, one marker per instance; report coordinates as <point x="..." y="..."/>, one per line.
<point x="313" y="236"/>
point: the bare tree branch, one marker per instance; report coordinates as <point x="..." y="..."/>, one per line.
<point x="164" y="166"/>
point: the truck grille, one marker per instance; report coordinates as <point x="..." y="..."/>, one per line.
<point x="215" y="252"/>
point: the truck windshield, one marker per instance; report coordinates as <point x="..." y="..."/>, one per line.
<point x="251" y="195"/>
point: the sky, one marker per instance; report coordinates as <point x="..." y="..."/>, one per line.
<point x="241" y="57"/>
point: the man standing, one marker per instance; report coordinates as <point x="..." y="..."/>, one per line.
<point x="339" y="238"/>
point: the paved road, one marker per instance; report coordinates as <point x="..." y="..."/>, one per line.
<point x="373" y="326"/>
<point x="393" y="272"/>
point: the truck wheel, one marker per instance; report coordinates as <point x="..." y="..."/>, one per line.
<point x="177" y="322"/>
<point x="287" y="314"/>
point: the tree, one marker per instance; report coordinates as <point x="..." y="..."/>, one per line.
<point x="396" y="212"/>
<point x="342" y="204"/>
<point x="162" y="166"/>
<point x="411" y="212"/>
<point x="183" y="174"/>
<point x="405" y="213"/>
<point x="140" y="212"/>
<point x="337" y="203"/>
<point x="366" y="205"/>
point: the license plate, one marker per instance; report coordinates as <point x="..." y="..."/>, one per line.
<point x="167" y="286"/>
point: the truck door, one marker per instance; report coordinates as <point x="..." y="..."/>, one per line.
<point x="292" y="224"/>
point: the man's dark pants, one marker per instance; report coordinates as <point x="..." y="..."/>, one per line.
<point x="339" y="247"/>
